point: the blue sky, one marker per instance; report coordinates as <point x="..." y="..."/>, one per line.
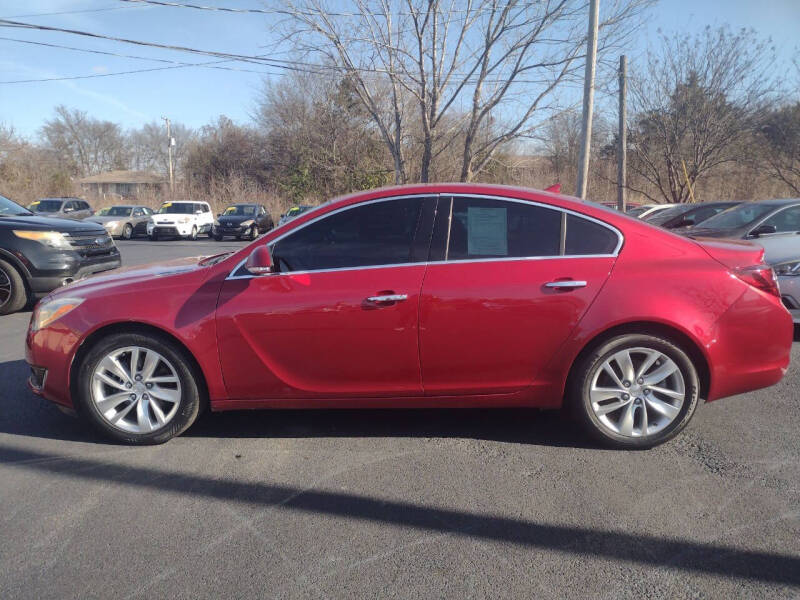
<point x="195" y="96"/>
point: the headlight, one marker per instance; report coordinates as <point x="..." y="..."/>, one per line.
<point x="53" y="239"/>
<point x="112" y="223"/>
<point x="791" y="269"/>
<point x="47" y="312"/>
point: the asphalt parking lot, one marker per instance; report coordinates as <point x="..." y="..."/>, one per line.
<point x="395" y="504"/>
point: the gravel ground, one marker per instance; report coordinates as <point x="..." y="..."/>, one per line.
<point x="395" y="504"/>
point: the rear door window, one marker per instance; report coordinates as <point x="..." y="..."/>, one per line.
<point x="487" y="228"/>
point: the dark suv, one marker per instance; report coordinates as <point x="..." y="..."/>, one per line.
<point x="39" y="254"/>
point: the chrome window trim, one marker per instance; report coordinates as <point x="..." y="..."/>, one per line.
<point x="613" y="254"/>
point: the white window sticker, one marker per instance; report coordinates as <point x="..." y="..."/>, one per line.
<point x="487" y="231"/>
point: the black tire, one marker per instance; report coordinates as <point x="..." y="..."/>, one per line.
<point x="218" y="237"/>
<point x="190" y="402"/>
<point x="13" y="295"/>
<point x="154" y="236"/>
<point x="581" y="381"/>
<point x="193" y="235"/>
<point x="127" y="231"/>
<point x="210" y="233"/>
<point x="252" y="233"/>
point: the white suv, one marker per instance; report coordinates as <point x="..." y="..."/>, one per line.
<point x="181" y="218"/>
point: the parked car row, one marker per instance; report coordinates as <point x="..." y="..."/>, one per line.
<point x="176" y="219"/>
<point x="772" y="224"/>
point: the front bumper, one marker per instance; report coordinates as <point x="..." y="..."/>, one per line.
<point x="66" y="267"/>
<point x="234" y="230"/>
<point x="170" y="229"/>
<point x="790" y="295"/>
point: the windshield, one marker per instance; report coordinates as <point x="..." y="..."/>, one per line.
<point x="738" y="216"/>
<point x="665" y="215"/>
<point x="241" y="210"/>
<point x="119" y="211"/>
<point x="11" y="209"/>
<point x="296" y="210"/>
<point x="176" y="208"/>
<point x="46" y="206"/>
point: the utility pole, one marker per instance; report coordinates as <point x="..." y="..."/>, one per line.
<point x="170" y="143"/>
<point x="588" y="99"/>
<point x="622" y="157"/>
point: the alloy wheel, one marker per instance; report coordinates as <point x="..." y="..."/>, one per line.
<point x="136" y="389"/>
<point x="637" y="392"/>
<point x="5" y="287"/>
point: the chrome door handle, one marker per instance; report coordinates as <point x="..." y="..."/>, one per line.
<point x="388" y="298"/>
<point x="566" y="284"/>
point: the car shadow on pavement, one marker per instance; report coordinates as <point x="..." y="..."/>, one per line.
<point x="520" y="426"/>
<point x="693" y="556"/>
<point x="23" y="413"/>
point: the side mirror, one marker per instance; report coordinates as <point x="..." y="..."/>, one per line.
<point x="763" y="230"/>
<point x="259" y="262"/>
<point x="219" y="214"/>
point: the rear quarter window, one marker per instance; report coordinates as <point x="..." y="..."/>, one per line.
<point x="587" y="237"/>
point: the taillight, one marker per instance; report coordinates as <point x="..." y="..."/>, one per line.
<point x="761" y="277"/>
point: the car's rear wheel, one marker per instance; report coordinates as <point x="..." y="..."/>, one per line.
<point x="635" y="391"/>
<point x="138" y="389"/>
<point x="127" y="231"/>
<point x="13" y="295"/>
<point x="218" y="237"/>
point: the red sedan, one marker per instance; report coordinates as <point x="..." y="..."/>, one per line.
<point x="423" y="296"/>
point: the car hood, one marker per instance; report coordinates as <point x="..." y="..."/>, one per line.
<point x="50" y="224"/>
<point x="145" y="275"/>
<point x="105" y="219"/>
<point x="234" y="219"/>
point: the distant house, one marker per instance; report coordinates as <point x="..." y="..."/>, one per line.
<point x="122" y="183"/>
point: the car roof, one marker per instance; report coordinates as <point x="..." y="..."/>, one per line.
<point x="779" y="201"/>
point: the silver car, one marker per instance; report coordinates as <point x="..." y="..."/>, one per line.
<point x="789" y="283"/>
<point x="63" y="208"/>
<point x="124" y="221"/>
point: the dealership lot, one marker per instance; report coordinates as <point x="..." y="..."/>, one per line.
<point x="395" y="504"/>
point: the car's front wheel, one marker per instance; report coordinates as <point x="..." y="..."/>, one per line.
<point x="193" y="234"/>
<point x="138" y="389"/>
<point x="13" y="295"/>
<point x="635" y="391"/>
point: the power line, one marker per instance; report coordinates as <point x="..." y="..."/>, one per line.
<point x="285" y="64"/>
<point x="67" y="12"/>
<point x="118" y="55"/>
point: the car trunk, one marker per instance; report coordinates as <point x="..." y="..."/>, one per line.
<point x="734" y="254"/>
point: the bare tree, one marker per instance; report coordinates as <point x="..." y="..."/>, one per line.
<point x="82" y="144"/>
<point x="695" y="104"/>
<point x="491" y="63"/>
<point x="148" y="146"/>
